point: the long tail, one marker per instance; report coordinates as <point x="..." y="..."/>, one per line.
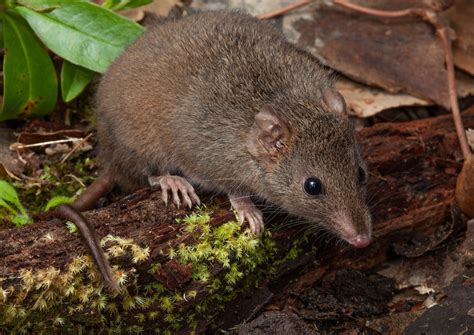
<point x="87" y="200"/>
<point x="91" y="240"/>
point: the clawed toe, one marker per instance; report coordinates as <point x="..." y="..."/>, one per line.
<point x="181" y="191"/>
<point x="246" y="211"/>
<point x="256" y="223"/>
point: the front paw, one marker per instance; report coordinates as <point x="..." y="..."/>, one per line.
<point x="181" y="190"/>
<point x="247" y="211"/>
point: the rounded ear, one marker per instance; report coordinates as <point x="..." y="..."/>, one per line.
<point x="333" y="100"/>
<point x="268" y="133"/>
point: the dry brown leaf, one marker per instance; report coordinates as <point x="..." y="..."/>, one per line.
<point x="158" y="7"/>
<point x="461" y="18"/>
<point x="464" y="84"/>
<point x="366" y="101"/>
<point x="254" y="7"/>
<point x="161" y="7"/>
<point x="134" y="14"/>
<point x="39" y="131"/>
<point x="391" y="54"/>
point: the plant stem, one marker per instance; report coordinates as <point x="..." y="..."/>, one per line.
<point x="284" y="10"/>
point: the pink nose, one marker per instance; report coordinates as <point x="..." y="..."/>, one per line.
<point x="360" y="241"/>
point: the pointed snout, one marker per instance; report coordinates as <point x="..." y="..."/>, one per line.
<point x="356" y="230"/>
<point x="360" y="241"/>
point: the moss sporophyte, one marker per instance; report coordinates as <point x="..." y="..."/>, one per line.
<point x="74" y="299"/>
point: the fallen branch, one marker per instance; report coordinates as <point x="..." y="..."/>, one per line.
<point x="176" y="274"/>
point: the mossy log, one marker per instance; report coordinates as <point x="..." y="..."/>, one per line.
<point x="178" y="267"/>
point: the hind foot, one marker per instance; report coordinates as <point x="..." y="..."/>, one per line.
<point x="181" y="190"/>
<point x="246" y="210"/>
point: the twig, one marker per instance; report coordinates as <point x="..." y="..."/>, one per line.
<point x="76" y="147"/>
<point x="466" y="151"/>
<point x="20" y="157"/>
<point x="379" y="12"/>
<point x="17" y="145"/>
<point x="9" y="173"/>
<point x="284" y="10"/>
<point x="76" y="179"/>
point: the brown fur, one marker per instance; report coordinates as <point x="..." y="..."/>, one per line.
<point x="183" y="99"/>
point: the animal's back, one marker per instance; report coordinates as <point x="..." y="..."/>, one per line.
<point x="193" y="84"/>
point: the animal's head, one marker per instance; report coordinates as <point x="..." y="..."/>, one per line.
<point x="313" y="167"/>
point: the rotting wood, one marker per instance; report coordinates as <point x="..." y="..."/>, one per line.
<point x="413" y="176"/>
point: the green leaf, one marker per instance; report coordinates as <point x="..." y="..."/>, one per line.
<point x="83" y="33"/>
<point x="30" y="83"/>
<point x="9" y="208"/>
<point x="115" y="4"/>
<point x="8" y="193"/>
<point x="8" y="197"/>
<point x="58" y="200"/>
<point x="124" y="4"/>
<point x="74" y="80"/>
<point x="40" y="5"/>
<point x="20" y="220"/>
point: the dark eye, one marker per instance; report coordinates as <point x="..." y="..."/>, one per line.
<point x="313" y="186"/>
<point x="361" y="176"/>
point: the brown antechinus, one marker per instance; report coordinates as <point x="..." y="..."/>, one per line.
<point x="222" y="101"/>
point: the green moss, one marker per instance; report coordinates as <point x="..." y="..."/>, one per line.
<point x="75" y="300"/>
<point x="67" y="179"/>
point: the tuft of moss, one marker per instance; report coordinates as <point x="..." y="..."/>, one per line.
<point x="74" y="300"/>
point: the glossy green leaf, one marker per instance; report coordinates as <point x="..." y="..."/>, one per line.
<point x="74" y="79"/>
<point x="46" y="4"/>
<point x="30" y="83"/>
<point x="58" y="200"/>
<point x="10" y="201"/>
<point x="83" y="33"/>
<point x="8" y="193"/>
<point x="124" y="4"/>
